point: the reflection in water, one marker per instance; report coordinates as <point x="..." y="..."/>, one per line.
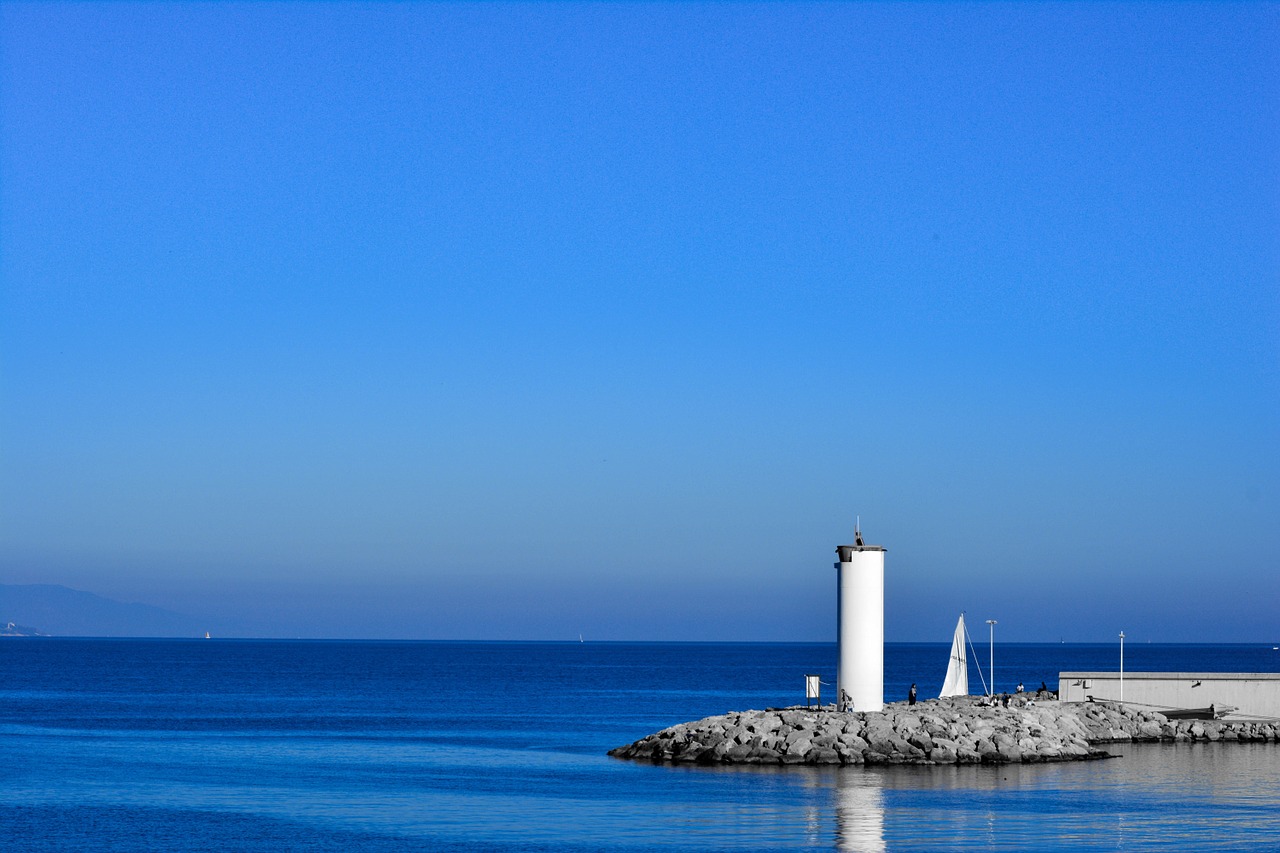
<point x="859" y="807"/>
<point x="1193" y="797"/>
<point x="1157" y="797"/>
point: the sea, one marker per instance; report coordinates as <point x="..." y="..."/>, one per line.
<point x="248" y="745"/>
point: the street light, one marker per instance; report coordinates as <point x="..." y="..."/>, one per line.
<point x="991" y="661"/>
<point x="1122" y="666"/>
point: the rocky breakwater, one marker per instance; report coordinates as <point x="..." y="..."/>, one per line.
<point x="958" y="730"/>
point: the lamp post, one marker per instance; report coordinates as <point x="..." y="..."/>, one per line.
<point x="1122" y="666"/>
<point x="991" y="660"/>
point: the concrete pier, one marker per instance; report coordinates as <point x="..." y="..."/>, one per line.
<point x="1249" y="695"/>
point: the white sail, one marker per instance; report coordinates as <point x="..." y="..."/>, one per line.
<point x="957" y="683"/>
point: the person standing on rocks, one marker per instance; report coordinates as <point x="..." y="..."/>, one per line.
<point x="911" y="695"/>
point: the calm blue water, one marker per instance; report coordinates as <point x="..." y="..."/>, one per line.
<point x="324" y="746"/>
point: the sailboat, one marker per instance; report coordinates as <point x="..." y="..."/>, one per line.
<point x="957" y="682"/>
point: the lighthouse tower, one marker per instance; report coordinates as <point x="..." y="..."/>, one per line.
<point x="860" y="625"/>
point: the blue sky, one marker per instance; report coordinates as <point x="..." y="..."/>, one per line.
<point x="530" y="320"/>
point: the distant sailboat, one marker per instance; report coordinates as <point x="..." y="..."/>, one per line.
<point x="957" y="683"/>
<point x="206" y="635"/>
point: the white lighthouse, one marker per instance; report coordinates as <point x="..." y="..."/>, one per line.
<point x="860" y="626"/>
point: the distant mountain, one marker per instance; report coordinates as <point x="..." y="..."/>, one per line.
<point x="61" y="611"/>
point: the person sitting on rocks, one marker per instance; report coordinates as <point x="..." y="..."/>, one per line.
<point x="1021" y="689"/>
<point x="1044" y="688"/>
<point x="911" y="695"/>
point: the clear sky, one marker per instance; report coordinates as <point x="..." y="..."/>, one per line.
<point x="530" y="320"/>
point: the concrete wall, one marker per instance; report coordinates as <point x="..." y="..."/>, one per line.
<point x="1254" y="694"/>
